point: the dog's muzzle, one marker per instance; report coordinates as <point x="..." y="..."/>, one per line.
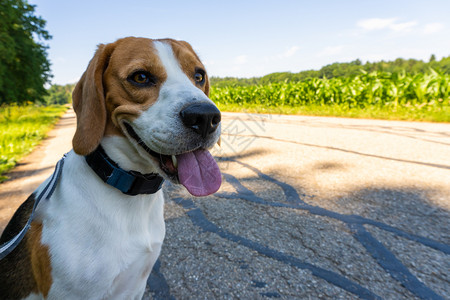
<point x="196" y="168"/>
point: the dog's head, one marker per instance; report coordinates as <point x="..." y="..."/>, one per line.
<point x="152" y="96"/>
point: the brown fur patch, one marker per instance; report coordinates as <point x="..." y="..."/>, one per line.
<point x="189" y="61"/>
<point x="27" y="268"/>
<point x="40" y="259"/>
<point x="16" y="278"/>
<point x="125" y="101"/>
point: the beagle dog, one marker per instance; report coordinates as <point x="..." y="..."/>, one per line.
<point x="143" y="116"/>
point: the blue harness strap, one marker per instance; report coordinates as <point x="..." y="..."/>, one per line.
<point x="46" y="193"/>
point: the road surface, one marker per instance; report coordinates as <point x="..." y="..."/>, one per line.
<point x="309" y="208"/>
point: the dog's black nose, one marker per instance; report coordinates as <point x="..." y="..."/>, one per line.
<point x="203" y="118"/>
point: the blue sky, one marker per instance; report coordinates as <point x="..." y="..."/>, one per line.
<point x="251" y="38"/>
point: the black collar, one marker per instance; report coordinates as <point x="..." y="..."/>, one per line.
<point x="128" y="182"/>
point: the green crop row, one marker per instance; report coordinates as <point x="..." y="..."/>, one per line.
<point x="367" y="90"/>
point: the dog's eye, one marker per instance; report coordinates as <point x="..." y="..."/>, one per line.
<point x="199" y="75"/>
<point x="141" y="78"/>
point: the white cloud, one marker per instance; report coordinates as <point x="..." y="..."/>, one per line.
<point x="433" y="28"/>
<point x="405" y="26"/>
<point x="387" y="23"/>
<point x="375" y="23"/>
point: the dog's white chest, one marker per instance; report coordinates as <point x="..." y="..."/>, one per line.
<point x="102" y="245"/>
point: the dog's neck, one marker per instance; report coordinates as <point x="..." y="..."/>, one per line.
<point x="129" y="181"/>
<point x="120" y="150"/>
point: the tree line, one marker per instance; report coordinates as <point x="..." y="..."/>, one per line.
<point x="349" y="69"/>
<point x="24" y="66"/>
<point x="59" y="94"/>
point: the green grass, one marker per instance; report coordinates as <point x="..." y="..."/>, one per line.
<point x="422" y="114"/>
<point x="21" y="129"/>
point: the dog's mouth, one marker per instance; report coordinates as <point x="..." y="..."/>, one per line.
<point x="196" y="170"/>
<point x="168" y="163"/>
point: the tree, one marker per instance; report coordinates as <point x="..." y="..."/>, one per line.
<point x="24" y="67"/>
<point x="444" y="65"/>
<point x="59" y="94"/>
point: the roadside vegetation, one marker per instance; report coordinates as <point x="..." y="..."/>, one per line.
<point x="22" y="128"/>
<point x="397" y="90"/>
<point x="27" y="109"/>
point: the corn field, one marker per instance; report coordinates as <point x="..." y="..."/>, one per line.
<point x="375" y="89"/>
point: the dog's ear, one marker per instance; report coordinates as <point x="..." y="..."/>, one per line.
<point x="88" y="100"/>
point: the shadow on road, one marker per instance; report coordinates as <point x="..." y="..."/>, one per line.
<point x="374" y="242"/>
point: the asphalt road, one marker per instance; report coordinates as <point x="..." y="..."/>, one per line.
<point x="312" y="208"/>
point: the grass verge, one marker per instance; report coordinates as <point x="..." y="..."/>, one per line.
<point x="22" y="128"/>
<point x="413" y="113"/>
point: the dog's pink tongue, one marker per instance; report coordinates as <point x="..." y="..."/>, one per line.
<point x="199" y="172"/>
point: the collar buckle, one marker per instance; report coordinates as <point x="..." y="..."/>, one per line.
<point x="128" y="182"/>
